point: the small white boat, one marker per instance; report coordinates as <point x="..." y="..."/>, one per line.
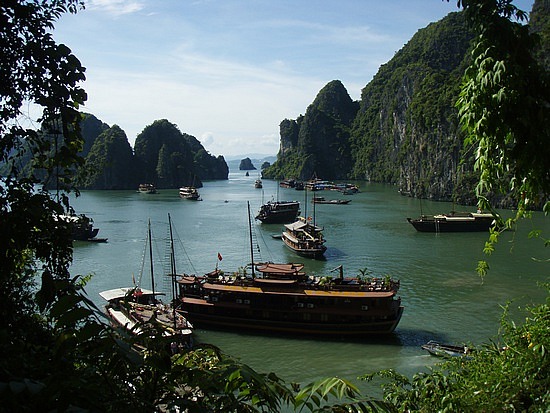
<point x="190" y="192"/>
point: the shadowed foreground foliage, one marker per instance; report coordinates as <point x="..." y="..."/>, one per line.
<point x="510" y="374"/>
<point x="60" y="354"/>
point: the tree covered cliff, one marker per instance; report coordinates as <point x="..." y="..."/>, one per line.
<point x="318" y="142"/>
<point x="404" y="130"/>
<point x="162" y="155"/>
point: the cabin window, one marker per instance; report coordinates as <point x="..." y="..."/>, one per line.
<point x="239" y="301"/>
<point x="310" y="305"/>
<point x="247" y="301"/>
<point x="364" y="307"/>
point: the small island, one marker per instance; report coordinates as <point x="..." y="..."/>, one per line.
<point x="246" y="165"/>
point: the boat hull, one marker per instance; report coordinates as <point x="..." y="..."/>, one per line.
<point x="286" y="300"/>
<point x="278" y="218"/>
<point x="278" y="212"/>
<point x="316" y="253"/>
<point x="225" y="318"/>
<point x="443" y="223"/>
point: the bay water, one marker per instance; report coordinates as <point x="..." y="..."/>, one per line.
<point x="444" y="297"/>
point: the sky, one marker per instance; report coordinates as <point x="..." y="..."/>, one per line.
<point x="229" y="71"/>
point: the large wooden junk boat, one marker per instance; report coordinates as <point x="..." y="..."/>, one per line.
<point x="305" y="238"/>
<point x="454" y="222"/>
<point x="278" y="212"/>
<point x="283" y="299"/>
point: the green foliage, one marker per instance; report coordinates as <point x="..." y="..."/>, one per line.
<point x="171" y="159"/>
<point x="503" y="105"/>
<point x="503" y="108"/>
<point x="321" y="396"/>
<point x="109" y="163"/>
<point x="512" y="374"/>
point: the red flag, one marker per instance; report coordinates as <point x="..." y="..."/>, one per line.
<point x="219" y="256"/>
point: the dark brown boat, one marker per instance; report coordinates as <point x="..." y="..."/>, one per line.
<point x="281" y="298"/>
<point x="278" y="212"/>
<point x="454" y="222"/>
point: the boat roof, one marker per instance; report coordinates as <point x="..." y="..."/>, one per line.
<point x="288" y="268"/>
<point x="275" y="281"/>
<point x="300" y="225"/>
<point x="119" y="293"/>
<point x="283" y="202"/>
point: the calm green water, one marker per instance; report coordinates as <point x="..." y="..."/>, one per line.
<point x="443" y="296"/>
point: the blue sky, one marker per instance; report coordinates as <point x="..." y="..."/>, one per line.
<point x="229" y="71"/>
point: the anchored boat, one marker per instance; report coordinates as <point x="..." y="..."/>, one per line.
<point x="281" y="298"/>
<point x="454" y="222"/>
<point x="278" y="212"/>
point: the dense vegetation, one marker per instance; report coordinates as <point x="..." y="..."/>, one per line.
<point x="319" y="141"/>
<point x="59" y="354"/>
<point x="162" y="155"/>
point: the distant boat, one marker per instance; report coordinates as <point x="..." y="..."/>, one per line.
<point x="258" y="183"/>
<point x="446" y="350"/>
<point x="304" y="238"/>
<point x="287" y="183"/>
<point x="189" y="192"/>
<point x="322" y="200"/>
<point x="454" y="222"/>
<point x="278" y="212"/>
<point x="147" y="189"/>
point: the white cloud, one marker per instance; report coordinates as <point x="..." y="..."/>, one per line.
<point x="115" y="7"/>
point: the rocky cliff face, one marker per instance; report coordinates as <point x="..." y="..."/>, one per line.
<point x="403" y="131"/>
<point x="319" y="141"/>
<point x="406" y="132"/>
